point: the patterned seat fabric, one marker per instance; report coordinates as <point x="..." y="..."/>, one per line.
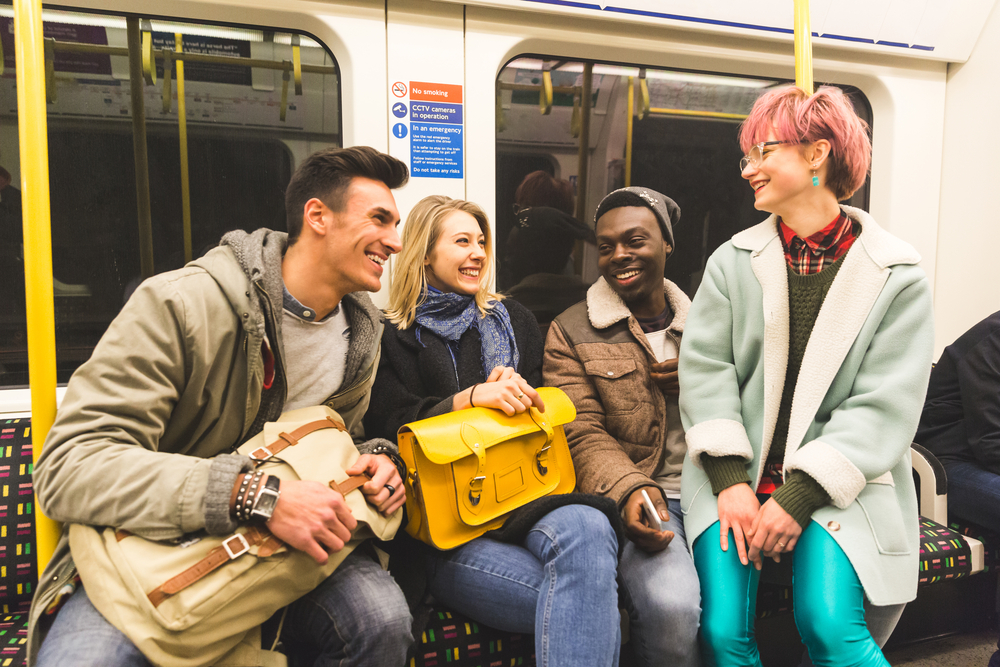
<point x="990" y="540"/>
<point x="18" y="567"/>
<point x="455" y="640"/>
<point x="943" y="553"/>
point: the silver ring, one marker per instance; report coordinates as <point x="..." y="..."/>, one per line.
<point x="781" y="545"/>
<point x="391" y="488"/>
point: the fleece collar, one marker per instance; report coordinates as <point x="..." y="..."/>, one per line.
<point x="884" y="249"/>
<point x="605" y="307"/>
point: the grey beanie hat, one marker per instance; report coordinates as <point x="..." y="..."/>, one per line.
<point x="667" y="212"/>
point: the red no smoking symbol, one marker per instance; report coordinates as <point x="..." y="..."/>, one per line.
<point x="399" y="89"/>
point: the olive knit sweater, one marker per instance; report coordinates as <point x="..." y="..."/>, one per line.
<point x="801" y="495"/>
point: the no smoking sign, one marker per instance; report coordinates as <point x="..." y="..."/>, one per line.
<point x="399" y="89"/>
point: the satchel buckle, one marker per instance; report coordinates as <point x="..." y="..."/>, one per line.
<point x="476" y="487"/>
<point x="243" y="547"/>
<point x="263" y="457"/>
<point x="542" y="469"/>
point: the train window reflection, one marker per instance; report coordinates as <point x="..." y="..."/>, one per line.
<point x="256" y="102"/>
<point x="677" y="135"/>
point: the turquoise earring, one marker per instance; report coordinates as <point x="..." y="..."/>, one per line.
<point x="815" y="177"/>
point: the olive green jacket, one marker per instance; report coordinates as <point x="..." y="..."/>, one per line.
<point x="143" y="438"/>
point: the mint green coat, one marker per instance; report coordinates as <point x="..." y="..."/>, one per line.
<point x="856" y="404"/>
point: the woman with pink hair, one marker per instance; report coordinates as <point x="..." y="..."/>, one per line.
<point x="802" y="371"/>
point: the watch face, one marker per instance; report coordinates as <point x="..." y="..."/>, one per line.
<point x="266" y="502"/>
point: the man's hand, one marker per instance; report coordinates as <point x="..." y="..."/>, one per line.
<point x="383" y="475"/>
<point x="313" y="518"/>
<point x="738" y="507"/>
<point x="774" y="532"/>
<point x="664" y="374"/>
<point x="646" y="538"/>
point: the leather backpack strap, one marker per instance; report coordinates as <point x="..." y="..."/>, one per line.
<point x="231" y="548"/>
<point x="349" y="484"/>
<point x="238" y="544"/>
<point x="286" y="440"/>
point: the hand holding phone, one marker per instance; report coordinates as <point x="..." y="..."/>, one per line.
<point x="652" y="517"/>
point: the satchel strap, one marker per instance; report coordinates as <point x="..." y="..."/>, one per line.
<point x="286" y="440"/>
<point x="235" y="546"/>
<point x="231" y="548"/>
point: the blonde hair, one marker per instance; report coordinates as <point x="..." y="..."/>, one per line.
<point x="421" y="232"/>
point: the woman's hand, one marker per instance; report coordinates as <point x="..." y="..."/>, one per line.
<point x="774" y="532"/>
<point x="503" y="390"/>
<point x="738" y="508"/>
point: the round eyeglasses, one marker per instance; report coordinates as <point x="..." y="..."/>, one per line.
<point x="757" y="154"/>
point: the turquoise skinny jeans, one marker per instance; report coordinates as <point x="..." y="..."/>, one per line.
<point x="827" y="596"/>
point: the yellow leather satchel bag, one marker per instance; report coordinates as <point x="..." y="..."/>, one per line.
<point x="466" y="470"/>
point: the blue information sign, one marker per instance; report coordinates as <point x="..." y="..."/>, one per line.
<point x="399" y="130"/>
<point x="436" y="150"/>
<point x="399" y="109"/>
<point x="436" y="112"/>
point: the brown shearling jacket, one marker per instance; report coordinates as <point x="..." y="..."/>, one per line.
<point x="626" y="432"/>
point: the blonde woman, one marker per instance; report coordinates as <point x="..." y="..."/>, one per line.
<point x="450" y="343"/>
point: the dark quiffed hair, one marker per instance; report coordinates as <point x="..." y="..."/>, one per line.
<point x="540" y="189"/>
<point x="326" y="175"/>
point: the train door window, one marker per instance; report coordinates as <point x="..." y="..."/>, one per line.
<point x="681" y="140"/>
<point x="256" y="102"/>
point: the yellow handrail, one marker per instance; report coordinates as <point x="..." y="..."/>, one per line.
<point x="628" y="132"/>
<point x="803" y="47"/>
<point x="32" y="131"/>
<point x="182" y="124"/>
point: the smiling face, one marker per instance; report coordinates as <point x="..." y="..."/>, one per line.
<point x="362" y="236"/>
<point x="631" y="257"/>
<point x="782" y="178"/>
<point x="455" y="262"/>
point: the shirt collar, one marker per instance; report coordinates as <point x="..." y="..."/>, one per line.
<point x="822" y="240"/>
<point x="291" y="305"/>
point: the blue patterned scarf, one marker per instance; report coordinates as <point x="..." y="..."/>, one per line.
<point x="449" y="315"/>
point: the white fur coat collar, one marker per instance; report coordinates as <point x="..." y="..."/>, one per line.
<point x="605" y="307"/>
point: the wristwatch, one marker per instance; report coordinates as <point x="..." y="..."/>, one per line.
<point x="266" y="500"/>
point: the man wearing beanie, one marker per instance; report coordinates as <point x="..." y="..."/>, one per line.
<point x="615" y="355"/>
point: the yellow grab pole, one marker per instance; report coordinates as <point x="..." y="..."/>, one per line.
<point x="182" y="123"/>
<point x="139" y="151"/>
<point x="32" y="131"/>
<point x="803" y="47"/>
<point x="628" y="132"/>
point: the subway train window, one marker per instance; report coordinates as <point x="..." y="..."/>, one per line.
<point x="255" y="102"/>
<point x="672" y="131"/>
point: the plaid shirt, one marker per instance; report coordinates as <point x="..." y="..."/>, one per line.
<point x="817" y="251"/>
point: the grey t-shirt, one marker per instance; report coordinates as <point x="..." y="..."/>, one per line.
<point x="315" y="353"/>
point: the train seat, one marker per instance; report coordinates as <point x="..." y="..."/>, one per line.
<point x="18" y="565"/>
<point x="949" y="552"/>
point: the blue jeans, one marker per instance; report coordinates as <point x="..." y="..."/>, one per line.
<point x="559" y="585"/>
<point x="662" y="595"/>
<point x="974" y="494"/>
<point x="828" y="604"/>
<point x="358" y="616"/>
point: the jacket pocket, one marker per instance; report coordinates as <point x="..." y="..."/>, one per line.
<point x="881" y="507"/>
<point x="619" y="385"/>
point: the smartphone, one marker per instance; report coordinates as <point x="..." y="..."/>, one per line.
<point x="652" y="516"/>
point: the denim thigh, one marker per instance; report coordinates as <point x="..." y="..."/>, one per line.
<point x="81" y="636"/>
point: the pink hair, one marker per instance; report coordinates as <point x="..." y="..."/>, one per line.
<point x="797" y="117"/>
